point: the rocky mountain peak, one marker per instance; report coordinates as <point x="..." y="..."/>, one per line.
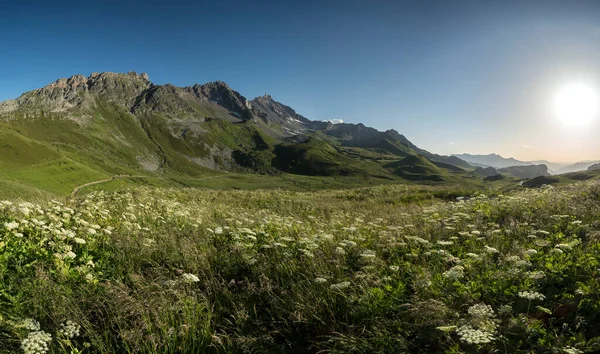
<point x="66" y="93"/>
<point x="265" y="98"/>
<point x="278" y="114"/>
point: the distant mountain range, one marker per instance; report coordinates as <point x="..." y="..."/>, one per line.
<point x="497" y="161"/>
<point x="491" y="160"/>
<point x="578" y="166"/>
<point x="521" y="172"/>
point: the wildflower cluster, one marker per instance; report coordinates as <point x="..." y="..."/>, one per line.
<point x="167" y="264"/>
<point x="531" y="295"/>
<point x="37" y="342"/>
<point x="69" y="330"/>
<point x="474" y="336"/>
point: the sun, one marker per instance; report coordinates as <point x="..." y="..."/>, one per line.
<point x="577" y="104"/>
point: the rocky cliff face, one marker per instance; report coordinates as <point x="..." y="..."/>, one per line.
<point x="211" y="100"/>
<point x="137" y="94"/>
<point x="67" y="93"/>
<point x="277" y="114"/>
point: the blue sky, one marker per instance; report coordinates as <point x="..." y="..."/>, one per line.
<point x="453" y="76"/>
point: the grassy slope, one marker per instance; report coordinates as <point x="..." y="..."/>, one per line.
<point x="37" y="165"/>
<point x="56" y="155"/>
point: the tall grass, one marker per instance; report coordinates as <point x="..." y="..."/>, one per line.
<point x="384" y="269"/>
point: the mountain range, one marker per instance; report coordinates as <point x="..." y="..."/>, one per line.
<point x="497" y="161"/>
<point x="82" y="128"/>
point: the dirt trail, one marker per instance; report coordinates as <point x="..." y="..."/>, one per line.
<point x="104" y="181"/>
<point x="74" y="193"/>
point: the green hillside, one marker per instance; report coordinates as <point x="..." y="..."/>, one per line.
<point x="417" y="168"/>
<point x="81" y="130"/>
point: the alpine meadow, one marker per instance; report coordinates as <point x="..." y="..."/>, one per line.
<point x="138" y="216"/>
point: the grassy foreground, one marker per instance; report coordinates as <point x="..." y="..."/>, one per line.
<point x="387" y="269"/>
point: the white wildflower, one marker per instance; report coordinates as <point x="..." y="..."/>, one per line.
<point x="340" y="251"/>
<point x="455" y="273"/>
<point x="11" y="225"/>
<point x="190" y="278"/>
<point x="368" y="254"/>
<point x="474" y="336"/>
<point x="490" y="250"/>
<point x="69" y="329"/>
<point x="36" y="342"/>
<point x="482" y="311"/>
<point x="531" y="295"/>
<point x="29" y="324"/>
<point x="340" y="286"/>
<point x="348" y="243"/>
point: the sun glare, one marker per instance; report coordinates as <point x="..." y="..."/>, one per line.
<point x="577" y="104"/>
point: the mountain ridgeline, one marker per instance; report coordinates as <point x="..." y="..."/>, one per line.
<point x="86" y="128"/>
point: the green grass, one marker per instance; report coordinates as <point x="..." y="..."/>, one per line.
<point x="56" y="152"/>
<point x="284" y="181"/>
<point x="35" y="165"/>
<point x="397" y="268"/>
<point x="316" y="157"/>
<point x="414" y="167"/>
<point x="13" y="190"/>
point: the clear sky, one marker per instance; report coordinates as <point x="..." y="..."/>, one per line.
<point x="453" y="76"/>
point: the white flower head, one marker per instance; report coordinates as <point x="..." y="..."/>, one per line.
<point x="481" y="311"/>
<point x="340" y="286"/>
<point x="455" y="273"/>
<point x="474" y="336"/>
<point x="190" y="278"/>
<point x="29" y="324"/>
<point x="79" y="240"/>
<point x="531" y="295"/>
<point x="37" y="342"/>
<point x="11" y="225"/>
<point x="69" y="329"/>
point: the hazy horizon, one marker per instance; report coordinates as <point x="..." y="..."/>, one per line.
<point x="459" y="77"/>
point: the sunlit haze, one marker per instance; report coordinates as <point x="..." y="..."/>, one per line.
<point x="577" y="104"/>
<point x="516" y="78"/>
